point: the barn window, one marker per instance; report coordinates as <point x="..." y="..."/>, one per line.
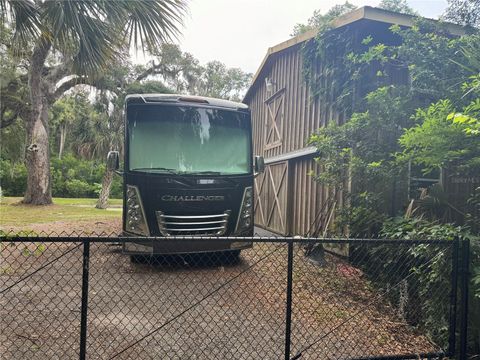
<point x="275" y="116"/>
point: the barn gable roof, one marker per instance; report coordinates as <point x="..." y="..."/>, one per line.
<point x="363" y="13"/>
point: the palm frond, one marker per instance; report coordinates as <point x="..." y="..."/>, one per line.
<point x="150" y="23"/>
<point x="24" y="16"/>
<point x="79" y="29"/>
<point x="93" y="31"/>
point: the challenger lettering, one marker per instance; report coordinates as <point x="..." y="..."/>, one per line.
<point x="192" y="198"/>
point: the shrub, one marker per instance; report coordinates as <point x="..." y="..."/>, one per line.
<point x="78" y="188"/>
<point x="436" y="276"/>
<point x="71" y="177"/>
<point x="13" y="178"/>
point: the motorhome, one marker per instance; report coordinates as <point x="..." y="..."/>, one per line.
<point x="188" y="172"/>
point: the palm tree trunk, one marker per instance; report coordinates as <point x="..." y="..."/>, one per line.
<point x="63" y="135"/>
<point x="105" y="191"/>
<point x="39" y="190"/>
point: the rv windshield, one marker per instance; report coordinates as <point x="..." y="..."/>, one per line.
<point x="188" y="140"/>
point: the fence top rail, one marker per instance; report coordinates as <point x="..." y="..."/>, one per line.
<point x="75" y="238"/>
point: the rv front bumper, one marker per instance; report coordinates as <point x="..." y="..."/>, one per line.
<point x="187" y="245"/>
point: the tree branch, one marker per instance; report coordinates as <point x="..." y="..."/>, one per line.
<point x="14" y="101"/>
<point x="7" y="121"/>
<point x="12" y="108"/>
<point x="69" y="84"/>
<point x="150" y="71"/>
<point x="58" y="72"/>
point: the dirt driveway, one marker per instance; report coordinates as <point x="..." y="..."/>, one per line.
<point x="191" y="309"/>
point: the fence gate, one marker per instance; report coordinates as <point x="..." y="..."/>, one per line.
<point x="271" y="189"/>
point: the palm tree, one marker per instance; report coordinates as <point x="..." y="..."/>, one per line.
<point x="109" y="135"/>
<point x="112" y="140"/>
<point x="103" y="129"/>
<point x="68" y="43"/>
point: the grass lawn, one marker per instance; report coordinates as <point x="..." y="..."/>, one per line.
<point x="12" y="213"/>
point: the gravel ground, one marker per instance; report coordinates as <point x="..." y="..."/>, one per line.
<point x="187" y="308"/>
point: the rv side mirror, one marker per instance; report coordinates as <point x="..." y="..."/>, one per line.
<point x="259" y="165"/>
<point x="113" y="161"/>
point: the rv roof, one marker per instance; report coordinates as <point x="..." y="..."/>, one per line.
<point x="190" y="99"/>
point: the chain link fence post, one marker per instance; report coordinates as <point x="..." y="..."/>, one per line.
<point x="84" y="306"/>
<point x="452" y="340"/>
<point x="288" y="319"/>
<point x="464" y="299"/>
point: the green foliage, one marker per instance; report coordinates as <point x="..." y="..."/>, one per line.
<point x="415" y="228"/>
<point x="12" y="140"/>
<point x="68" y="115"/>
<point x="443" y="140"/>
<point x="319" y="21"/>
<point x="463" y="12"/>
<point x="62" y="44"/>
<point x="436" y="276"/>
<point x="334" y="80"/>
<point x="334" y="151"/>
<point x="219" y="81"/>
<point x="364" y="218"/>
<point x="147" y="87"/>
<point x="472" y="218"/>
<point x="179" y="70"/>
<point x="400" y="6"/>
<point x="71" y="177"/>
<point x="471" y="54"/>
<point x="428" y="52"/>
<point x="362" y="148"/>
<point x="358" y="80"/>
<point x="83" y="33"/>
<point x="13" y="178"/>
<point x="404" y="102"/>
<point x="78" y="188"/>
<point x="183" y="73"/>
<point x="470" y="118"/>
<point x="350" y="71"/>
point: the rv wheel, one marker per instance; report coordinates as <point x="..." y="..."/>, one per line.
<point x="137" y="259"/>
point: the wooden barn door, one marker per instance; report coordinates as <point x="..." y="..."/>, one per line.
<point x="275" y="107"/>
<point x="271" y="190"/>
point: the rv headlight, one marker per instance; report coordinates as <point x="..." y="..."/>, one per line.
<point x="245" y="217"/>
<point x="135" y="217"/>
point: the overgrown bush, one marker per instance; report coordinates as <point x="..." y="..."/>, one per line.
<point x="436" y="276"/>
<point x="78" y="188"/>
<point x="73" y="177"/>
<point x="13" y="178"/>
<point x="364" y="218"/>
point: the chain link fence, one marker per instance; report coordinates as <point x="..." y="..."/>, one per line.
<point x="70" y="297"/>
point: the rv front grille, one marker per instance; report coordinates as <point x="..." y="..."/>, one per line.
<point x="197" y="225"/>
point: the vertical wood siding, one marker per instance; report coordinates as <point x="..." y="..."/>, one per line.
<point x="302" y="115"/>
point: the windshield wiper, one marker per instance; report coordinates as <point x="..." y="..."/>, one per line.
<point x="205" y="172"/>
<point x="167" y="170"/>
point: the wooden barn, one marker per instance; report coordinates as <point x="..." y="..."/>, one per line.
<point x="284" y="114"/>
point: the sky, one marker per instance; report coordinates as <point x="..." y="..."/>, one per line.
<point x="239" y="32"/>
